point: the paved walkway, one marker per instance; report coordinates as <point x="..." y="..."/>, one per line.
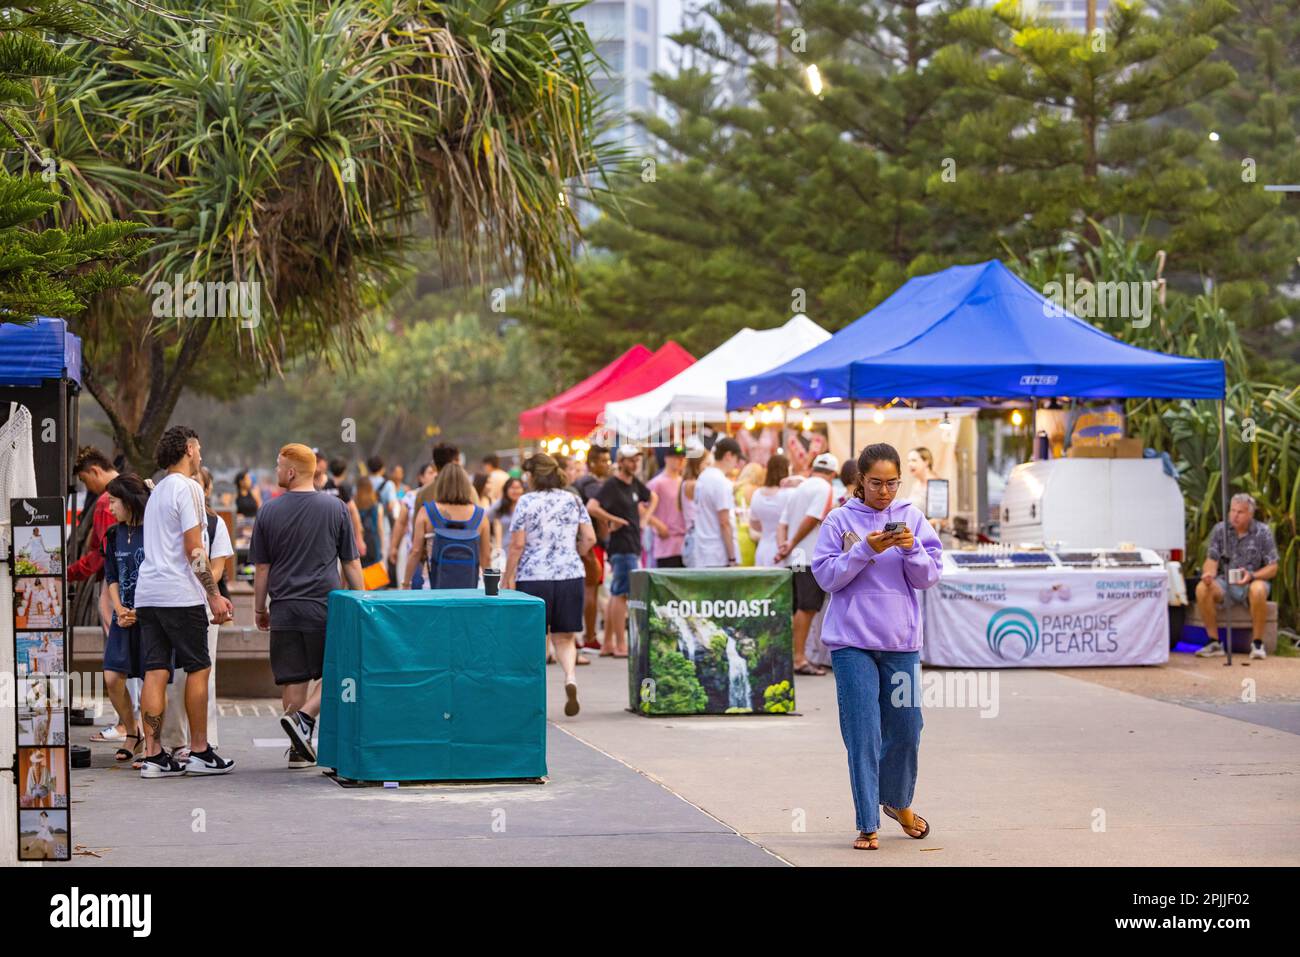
<point x="1069" y="772"/>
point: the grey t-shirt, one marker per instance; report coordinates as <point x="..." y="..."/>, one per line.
<point x="302" y="536"/>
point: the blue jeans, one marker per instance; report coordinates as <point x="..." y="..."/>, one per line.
<point x="882" y="737"/>
<point x="623" y="566"/>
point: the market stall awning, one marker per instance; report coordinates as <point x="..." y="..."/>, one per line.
<point x="701" y="389"/>
<point x="532" y="422"/>
<point x="44" y="349"/>
<point x="981" y="332"/>
<point x="580" y="417"/>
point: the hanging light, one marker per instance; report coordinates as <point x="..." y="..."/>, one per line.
<point x="777" y="411"/>
<point x="796" y="403"/>
<point x="564" y="449"/>
<point x="1017" y="418"/>
<point x="806" y="424"/>
<point x="750" y="422"/>
<point x="945" y="426"/>
<point x="878" y="416"/>
<point x="766" y="417"/>
<point x="814" y="79"/>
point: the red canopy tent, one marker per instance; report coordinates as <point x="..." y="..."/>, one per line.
<point x="533" y="422"/>
<point x="580" y="416"/>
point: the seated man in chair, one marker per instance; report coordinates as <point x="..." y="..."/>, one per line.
<point x="1252" y="559"/>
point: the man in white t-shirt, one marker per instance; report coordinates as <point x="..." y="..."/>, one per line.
<point x="715" y="542"/>
<point x="174" y="591"/>
<point x="796" y="536"/>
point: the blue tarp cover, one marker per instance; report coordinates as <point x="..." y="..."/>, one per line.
<point x="44" y="349"/>
<point x="976" y="332"/>
<point x="434" y="686"/>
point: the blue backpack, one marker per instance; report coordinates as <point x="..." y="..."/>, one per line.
<point x="453" y="555"/>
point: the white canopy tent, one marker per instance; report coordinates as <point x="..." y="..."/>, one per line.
<point x="700" y="391"/>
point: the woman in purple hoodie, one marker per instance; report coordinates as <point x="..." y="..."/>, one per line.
<point x="873" y="628"/>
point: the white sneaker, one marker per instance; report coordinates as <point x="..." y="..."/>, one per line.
<point x="1257" y="651"/>
<point x="1212" y="649"/>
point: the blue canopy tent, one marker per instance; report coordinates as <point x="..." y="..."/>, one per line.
<point x="40" y="367"/>
<point x="980" y="333"/>
<point x="33" y="352"/>
<point x="975" y="332"/>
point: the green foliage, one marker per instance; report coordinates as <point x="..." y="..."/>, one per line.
<point x="677" y="689"/>
<point x="321" y="151"/>
<point x="779" y="698"/>
<point x="1262" y="414"/>
<point x="49" y="272"/>
<point x="441" y="369"/>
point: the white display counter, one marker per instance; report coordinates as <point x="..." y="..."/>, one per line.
<point x="1047" y="617"/>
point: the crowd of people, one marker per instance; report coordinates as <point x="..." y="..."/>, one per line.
<point x="565" y="530"/>
<point x="569" y="531"/>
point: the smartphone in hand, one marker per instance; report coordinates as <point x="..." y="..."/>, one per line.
<point x="892" y="527"/>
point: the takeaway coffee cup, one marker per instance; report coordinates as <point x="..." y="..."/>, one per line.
<point x="491" y="581"/>
<point x="1236" y="576"/>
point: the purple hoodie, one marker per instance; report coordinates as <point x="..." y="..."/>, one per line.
<point x="873" y="598"/>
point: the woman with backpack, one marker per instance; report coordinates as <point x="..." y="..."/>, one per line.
<point x="451" y="534"/>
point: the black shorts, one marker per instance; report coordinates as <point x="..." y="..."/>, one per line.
<point x="182" y="632"/>
<point x="297" y="655"/>
<point x="808" y="595"/>
<point x="563" y="602"/>
<point x="669" y="561"/>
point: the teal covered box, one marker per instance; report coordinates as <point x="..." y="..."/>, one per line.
<point x="434" y="686"/>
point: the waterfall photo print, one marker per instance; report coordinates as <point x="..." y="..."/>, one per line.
<point x="694" y="652"/>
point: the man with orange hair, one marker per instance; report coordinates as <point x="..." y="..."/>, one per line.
<point x="298" y="542"/>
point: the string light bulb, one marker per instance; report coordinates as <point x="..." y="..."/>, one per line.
<point x="796" y="403"/>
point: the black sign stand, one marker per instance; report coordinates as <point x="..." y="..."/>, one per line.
<point x="42" y="769"/>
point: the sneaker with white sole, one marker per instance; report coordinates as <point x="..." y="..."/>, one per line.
<point x="208" y="762"/>
<point x="297" y="760"/>
<point x="299" y="728"/>
<point x="1257" y="650"/>
<point x="1212" y="649"/>
<point x="161" y="765"/>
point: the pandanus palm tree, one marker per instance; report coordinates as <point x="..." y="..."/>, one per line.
<point x="315" y="152"/>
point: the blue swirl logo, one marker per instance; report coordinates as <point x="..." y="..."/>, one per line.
<point x="1013" y="623"/>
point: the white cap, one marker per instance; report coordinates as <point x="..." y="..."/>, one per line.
<point x="695" y="448"/>
<point x="628" y="451"/>
<point x="826" y="463"/>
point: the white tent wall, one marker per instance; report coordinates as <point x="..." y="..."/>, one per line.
<point x="698" y="394"/>
<point x="906" y="429"/>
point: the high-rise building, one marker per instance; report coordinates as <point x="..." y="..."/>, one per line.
<point x="1069" y="13"/>
<point x="626" y="34"/>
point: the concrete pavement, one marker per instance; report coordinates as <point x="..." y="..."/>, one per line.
<point x="1069" y="772"/>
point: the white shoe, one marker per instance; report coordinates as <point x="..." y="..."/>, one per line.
<point x="1257" y="651"/>
<point x="1211" y="650"/>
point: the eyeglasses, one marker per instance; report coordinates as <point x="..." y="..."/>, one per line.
<point x="876" y="485"/>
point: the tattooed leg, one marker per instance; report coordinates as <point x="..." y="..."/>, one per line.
<point x="153" y="704"/>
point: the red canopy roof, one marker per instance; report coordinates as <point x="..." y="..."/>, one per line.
<point x="533" y="422"/>
<point x="580" y="416"/>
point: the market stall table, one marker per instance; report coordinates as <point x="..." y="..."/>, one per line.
<point x="1047" y="610"/>
<point x="710" y="641"/>
<point x="444" y="685"/>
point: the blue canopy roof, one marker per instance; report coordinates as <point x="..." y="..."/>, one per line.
<point x="44" y="349"/>
<point x="976" y="332"/>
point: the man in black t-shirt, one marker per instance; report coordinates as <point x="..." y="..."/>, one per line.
<point x="621" y="501"/>
<point x="588" y="486"/>
<point x="299" y="541"/>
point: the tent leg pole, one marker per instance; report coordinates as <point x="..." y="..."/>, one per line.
<point x="1227" y="538"/>
<point x="853" y="431"/>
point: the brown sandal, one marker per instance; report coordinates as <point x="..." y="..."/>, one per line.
<point x="891" y="812"/>
<point x="808" y="668"/>
<point x="867" y="842"/>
